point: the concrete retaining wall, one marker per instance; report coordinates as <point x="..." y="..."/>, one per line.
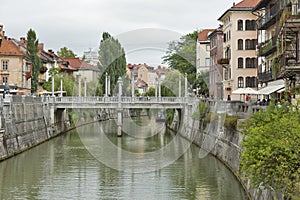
<point x="25" y="122"/>
<point x="225" y="145"/>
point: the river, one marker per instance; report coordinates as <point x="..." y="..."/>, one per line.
<point x="66" y="167"/>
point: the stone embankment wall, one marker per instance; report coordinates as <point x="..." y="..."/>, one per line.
<point x="25" y="122"/>
<point x="223" y="143"/>
<point x="28" y="121"/>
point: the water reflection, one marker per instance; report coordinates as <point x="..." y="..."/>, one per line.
<point x="63" y="169"/>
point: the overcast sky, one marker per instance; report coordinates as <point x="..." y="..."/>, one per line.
<point x="78" y="25"/>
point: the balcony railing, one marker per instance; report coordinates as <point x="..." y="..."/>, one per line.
<point x="270" y="17"/>
<point x="268" y="47"/>
<point x="290" y="62"/>
<point x="265" y="76"/>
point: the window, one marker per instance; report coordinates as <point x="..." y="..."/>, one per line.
<point x="4" y="80"/>
<point x="207" y="61"/>
<point x="247" y="44"/>
<point x="4" y="65"/>
<point x="240" y="63"/>
<point x="207" y="47"/>
<point x="250" y="25"/>
<point x="250" y="44"/>
<point x="224" y="37"/>
<point x="240" y="25"/>
<point x="251" y="81"/>
<point x="240" y="44"/>
<point x="240" y="82"/>
<point x="254" y="62"/>
<point x="228" y="53"/>
<point x="251" y="63"/>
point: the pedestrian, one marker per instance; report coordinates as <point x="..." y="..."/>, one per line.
<point x="228" y="98"/>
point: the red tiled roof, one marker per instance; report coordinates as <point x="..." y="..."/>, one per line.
<point x="202" y="35"/>
<point x="76" y="63"/>
<point x="246" y="4"/>
<point x="9" y="48"/>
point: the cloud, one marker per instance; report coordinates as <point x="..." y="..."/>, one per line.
<point x="79" y="24"/>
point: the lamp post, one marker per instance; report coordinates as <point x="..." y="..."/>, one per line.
<point x="79" y="85"/>
<point x="84" y="86"/>
<point x="61" y="86"/>
<point x="52" y="76"/>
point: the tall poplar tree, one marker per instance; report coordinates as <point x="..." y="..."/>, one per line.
<point x="111" y="60"/>
<point x="32" y="53"/>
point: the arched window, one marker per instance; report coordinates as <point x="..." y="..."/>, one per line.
<point x="248" y="44"/>
<point x="240" y="44"/>
<point x="240" y="25"/>
<point x="251" y="81"/>
<point x="240" y="63"/>
<point x="248" y="63"/>
<point x="240" y="82"/>
<point x="254" y="62"/>
<point x="250" y="25"/>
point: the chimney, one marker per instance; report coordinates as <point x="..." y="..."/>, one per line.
<point x="1" y="31"/>
<point x="41" y="46"/>
<point x="23" y="40"/>
<point x="233" y="3"/>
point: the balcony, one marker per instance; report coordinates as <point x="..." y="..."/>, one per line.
<point x="268" y="47"/>
<point x="271" y="17"/>
<point x="265" y="77"/>
<point x="289" y="64"/>
<point x="223" y="61"/>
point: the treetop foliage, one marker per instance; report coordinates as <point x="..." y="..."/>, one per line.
<point x="271" y="147"/>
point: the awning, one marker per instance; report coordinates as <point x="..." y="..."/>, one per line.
<point x="281" y="90"/>
<point x="270" y="89"/>
<point x="244" y="91"/>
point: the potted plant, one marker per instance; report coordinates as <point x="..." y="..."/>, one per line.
<point x="223" y="61"/>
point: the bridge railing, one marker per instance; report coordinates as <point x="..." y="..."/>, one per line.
<point x="114" y="100"/>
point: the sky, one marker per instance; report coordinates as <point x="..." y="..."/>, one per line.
<point x="144" y="27"/>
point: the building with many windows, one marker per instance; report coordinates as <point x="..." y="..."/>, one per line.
<point x="203" y="50"/>
<point x="279" y="30"/>
<point x="15" y="69"/>
<point x="239" y="59"/>
<point x="216" y="69"/>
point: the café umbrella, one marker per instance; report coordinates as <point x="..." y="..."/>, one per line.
<point x="245" y="91"/>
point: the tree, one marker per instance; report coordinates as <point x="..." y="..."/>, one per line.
<point x="32" y="53"/>
<point x="181" y="56"/>
<point x="66" y="53"/>
<point x="270" y="155"/>
<point x="111" y="60"/>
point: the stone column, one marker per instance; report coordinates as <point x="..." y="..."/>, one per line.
<point x="61" y="86"/>
<point x="119" y="123"/>
<point x="185" y="86"/>
<point x="106" y="81"/>
<point x="179" y="86"/>
<point x="132" y="85"/>
<point x="52" y="76"/>
<point x="156" y="88"/>
<point x="159" y="88"/>
<point x="84" y="86"/>
<point x="108" y="86"/>
<point x="79" y="85"/>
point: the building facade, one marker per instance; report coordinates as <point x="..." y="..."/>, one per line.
<point x="216" y="69"/>
<point x="279" y="30"/>
<point x="203" y="51"/>
<point x="239" y="48"/>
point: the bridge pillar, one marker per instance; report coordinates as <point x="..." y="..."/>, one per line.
<point x="119" y="110"/>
